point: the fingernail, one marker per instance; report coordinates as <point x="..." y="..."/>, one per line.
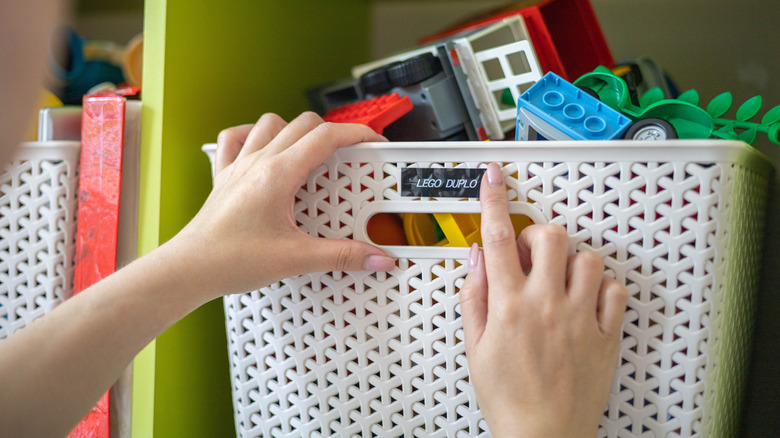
<point x="473" y="257"/>
<point x="378" y="263"/>
<point x="494" y="175"/>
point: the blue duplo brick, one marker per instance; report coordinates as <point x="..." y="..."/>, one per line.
<point x="572" y="111"/>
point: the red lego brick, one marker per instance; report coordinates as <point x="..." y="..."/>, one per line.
<point x="376" y="113"/>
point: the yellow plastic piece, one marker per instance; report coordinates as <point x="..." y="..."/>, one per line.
<point x="132" y="60"/>
<point x="420" y="230"/>
<point x="464" y="229"/>
<point x="519" y="222"/>
<point x="460" y="229"/>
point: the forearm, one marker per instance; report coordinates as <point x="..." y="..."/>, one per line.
<point x="54" y="370"/>
<point x="244" y="237"/>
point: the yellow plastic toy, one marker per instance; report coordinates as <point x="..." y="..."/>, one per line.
<point x="459" y="229"/>
<point x="420" y="230"/>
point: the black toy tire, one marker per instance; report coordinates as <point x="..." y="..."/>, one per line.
<point x="375" y="81"/>
<point x="590" y="92"/>
<point x="651" y="129"/>
<point x="413" y="70"/>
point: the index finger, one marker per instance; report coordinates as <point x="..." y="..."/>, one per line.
<point x="321" y="142"/>
<point x="502" y="260"/>
<point x="230" y="141"/>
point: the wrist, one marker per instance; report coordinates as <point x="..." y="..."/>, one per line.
<point x="537" y="426"/>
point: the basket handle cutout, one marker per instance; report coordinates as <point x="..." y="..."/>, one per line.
<point x="431" y="229"/>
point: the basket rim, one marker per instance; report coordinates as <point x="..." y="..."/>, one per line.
<point x="694" y="151"/>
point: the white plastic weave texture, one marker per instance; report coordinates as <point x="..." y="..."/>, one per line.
<point x="366" y="354"/>
<point x="38" y="202"/>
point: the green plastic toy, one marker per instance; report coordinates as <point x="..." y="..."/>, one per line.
<point x="742" y="128"/>
<point x="660" y="118"/>
<point x="655" y="117"/>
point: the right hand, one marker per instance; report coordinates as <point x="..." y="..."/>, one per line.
<point x="542" y="328"/>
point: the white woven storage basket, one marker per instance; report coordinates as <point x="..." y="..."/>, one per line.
<point x="38" y="202"/>
<point x="366" y="354"/>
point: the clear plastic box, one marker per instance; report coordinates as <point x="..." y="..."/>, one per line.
<point x="382" y="354"/>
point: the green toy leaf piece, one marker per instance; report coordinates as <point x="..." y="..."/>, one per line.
<point x="774" y="133"/>
<point x="749" y="109"/>
<point x="748" y="136"/>
<point x="726" y="131"/>
<point x="771" y="116"/>
<point x="718" y="134"/>
<point x="650" y="97"/>
<point x="719" y="105"/>
<point x="691" y="96"/>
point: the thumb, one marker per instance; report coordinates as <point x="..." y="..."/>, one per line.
<point x="473" y="297"/>
<point x="347" y="255"/>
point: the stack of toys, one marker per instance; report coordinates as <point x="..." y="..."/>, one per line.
<point x="538" y="72"/>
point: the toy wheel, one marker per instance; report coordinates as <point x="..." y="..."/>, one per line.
<point x="413" y="70"/>
<point x="590" y="92"/>
<point x="651" y="129"/>
<point x="375" y="81"/>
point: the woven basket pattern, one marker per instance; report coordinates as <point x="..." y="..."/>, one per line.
<point x="38" y="201"/>
<point x="374" y="354"/>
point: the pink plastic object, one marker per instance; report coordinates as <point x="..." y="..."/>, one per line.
<point x="103" y="123"/>
<point x="376" y="113"/>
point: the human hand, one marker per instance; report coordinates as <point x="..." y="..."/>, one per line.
<point x="245" y="234"/>
<point x="542" y="328"/>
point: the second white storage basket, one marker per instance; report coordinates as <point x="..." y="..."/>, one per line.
<point x="38" y="202"/>
<point x="367" y="354"/>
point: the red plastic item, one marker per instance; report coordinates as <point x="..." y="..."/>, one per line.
<point x="100" y="176"/>
<point x="566" y="35"/>
<point x="97" y="423"/>
<point x="377" y="113"/>
<point x="386" y="229"/>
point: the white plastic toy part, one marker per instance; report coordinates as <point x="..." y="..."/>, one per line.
<point x="496" y="59"/>
<point x="350" y="354"/>
<point x="38" y="201"/>
<point x="528" y="121"/>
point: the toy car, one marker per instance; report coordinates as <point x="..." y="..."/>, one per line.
<point x="456" y="85"/>
<point x="653" y="118"/>
<point x="465" y="82"/>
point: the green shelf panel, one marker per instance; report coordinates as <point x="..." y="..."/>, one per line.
<point x="207" y="66"/>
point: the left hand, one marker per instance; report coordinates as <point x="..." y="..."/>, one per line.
<point x="245" y="236"/>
